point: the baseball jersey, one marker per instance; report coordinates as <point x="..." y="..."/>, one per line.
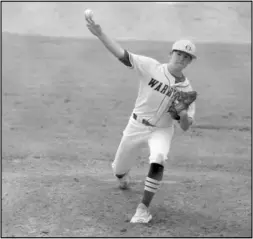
<point x="155" y="90"/>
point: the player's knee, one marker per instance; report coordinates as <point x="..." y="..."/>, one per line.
<point x="159" y="159"/>
<point x="117" y="172"/>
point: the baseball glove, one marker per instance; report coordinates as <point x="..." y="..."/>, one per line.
<point x="181" y="101"/>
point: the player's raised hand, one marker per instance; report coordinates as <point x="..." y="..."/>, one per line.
<point x="94" y="28"/>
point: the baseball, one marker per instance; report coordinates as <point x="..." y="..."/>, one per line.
<point x="88" y="13"/>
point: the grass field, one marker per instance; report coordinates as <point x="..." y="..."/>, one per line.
<point x="65" y="104"/>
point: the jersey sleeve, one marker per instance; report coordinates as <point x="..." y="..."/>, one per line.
<point x="142" y="64"/>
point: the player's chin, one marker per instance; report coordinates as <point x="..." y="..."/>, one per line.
<point x="180" y="67"/>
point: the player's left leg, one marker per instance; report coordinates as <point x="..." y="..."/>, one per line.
<point x="159" y="144"/>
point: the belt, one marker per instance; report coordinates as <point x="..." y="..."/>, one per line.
<point x="143" y="121"/>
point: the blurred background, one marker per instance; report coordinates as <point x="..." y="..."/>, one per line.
<point x="199" y="21"/>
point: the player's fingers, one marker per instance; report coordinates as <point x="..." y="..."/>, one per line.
<point x="87" y="19"/>
<point x="90" y="21"/>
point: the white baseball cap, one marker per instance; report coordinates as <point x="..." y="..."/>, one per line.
<point x="185" y="46"/>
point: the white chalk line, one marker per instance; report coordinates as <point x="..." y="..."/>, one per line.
<point x="139" y="181"/>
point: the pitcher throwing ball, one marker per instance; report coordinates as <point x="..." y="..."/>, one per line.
<point x="165" y="98"/>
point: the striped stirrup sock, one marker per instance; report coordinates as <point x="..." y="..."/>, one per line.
<point x="151" y="185"/>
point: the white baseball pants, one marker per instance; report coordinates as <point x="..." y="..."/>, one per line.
<point x="136" y="135"/>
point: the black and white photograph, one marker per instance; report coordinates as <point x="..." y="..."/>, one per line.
<point x="126" y="119"/>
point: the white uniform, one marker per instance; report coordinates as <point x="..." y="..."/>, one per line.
<point x="151" y="106"/>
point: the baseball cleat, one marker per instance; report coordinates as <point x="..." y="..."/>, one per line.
<point x="142" y="215"/>
<point x="124" y="181"/>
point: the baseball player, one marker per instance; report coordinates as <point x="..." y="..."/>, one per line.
<point x="158" y="107"/>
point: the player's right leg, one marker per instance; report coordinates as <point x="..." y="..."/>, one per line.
<point x="133" y="137"/>
<point x="124" y="160"/>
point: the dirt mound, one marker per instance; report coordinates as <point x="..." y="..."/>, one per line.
<point x="202" y="21"/>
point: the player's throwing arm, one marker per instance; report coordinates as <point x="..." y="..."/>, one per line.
<point x="97" y="31"/>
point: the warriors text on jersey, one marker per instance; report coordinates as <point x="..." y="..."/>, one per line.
<point x="155" y="89"/>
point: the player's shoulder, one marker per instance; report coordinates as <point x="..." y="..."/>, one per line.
<point x="153" y="64"/>
<point x="158" y="69"/>
<point x="161" y="67"/>
<point x="144" y="58"/>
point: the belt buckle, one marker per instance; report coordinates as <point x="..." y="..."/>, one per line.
<point x="145" y="122"/>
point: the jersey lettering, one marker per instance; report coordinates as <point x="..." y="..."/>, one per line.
<point x="165" y="89"/>
<point x="158" y="87"/>
<point x="153" y="82"/>
<point x="169" y="92"/>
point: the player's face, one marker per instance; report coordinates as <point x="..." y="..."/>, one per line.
<point x="180" y="59"/>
